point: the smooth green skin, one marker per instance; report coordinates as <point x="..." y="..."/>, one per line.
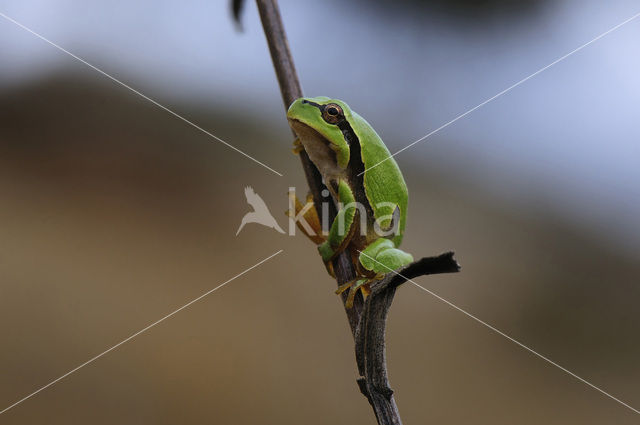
<point x="383" y="184"/>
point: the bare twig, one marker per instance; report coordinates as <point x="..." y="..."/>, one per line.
<point x="367" y="320"/>
<point x="291" y="90"/>
<point x="370" y="336"/>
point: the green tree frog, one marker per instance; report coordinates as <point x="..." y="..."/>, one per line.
<point x="363" y="179"/>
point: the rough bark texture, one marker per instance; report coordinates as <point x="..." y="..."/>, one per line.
<point x="366" y="319"/>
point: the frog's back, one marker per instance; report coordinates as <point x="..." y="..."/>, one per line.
<point x="383" y="181"/>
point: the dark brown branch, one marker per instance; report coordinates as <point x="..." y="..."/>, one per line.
<point x="370" y="335"/>
<point x="367" y="320"/>
<point x="291" y="90"/>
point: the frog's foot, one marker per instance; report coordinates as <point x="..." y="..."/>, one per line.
<point x="297" y="146"/>
<point x="354" y="286"/>
<point x="329" y="266"/>
<point x="311" y="227"/>
<point x="382" y="257"/>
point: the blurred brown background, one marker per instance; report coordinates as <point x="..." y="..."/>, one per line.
<point x="114" y="213"/>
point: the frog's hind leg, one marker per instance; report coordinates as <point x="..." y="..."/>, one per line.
<point x="382" y="257"/>
<point x="343" y="227"/>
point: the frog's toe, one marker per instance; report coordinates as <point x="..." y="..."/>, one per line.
<point x="354" y="286"/>
<point x="344" y="287"/>
<point x="361" y="285"/>
<point x="297" y="146"/>
<point x="351" y="298"/>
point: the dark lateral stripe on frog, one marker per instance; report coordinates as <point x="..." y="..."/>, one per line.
<point x="351" y="139"/>
<point x="355" y="165"/>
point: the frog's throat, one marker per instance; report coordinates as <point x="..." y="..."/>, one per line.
<point x="320" y="150"/>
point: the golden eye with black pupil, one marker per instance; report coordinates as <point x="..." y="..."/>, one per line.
<point x="332" y="113"/>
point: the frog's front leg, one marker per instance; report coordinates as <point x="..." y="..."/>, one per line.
<point x="310" y="217"/>
<point x="343" y="226"/>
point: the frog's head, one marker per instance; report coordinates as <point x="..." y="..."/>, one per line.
<point x="319" y="123"/>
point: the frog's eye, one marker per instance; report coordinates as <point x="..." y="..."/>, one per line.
<point x="332" y="113"/>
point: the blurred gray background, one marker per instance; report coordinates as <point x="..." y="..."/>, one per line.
<point x="114" y="212"/>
